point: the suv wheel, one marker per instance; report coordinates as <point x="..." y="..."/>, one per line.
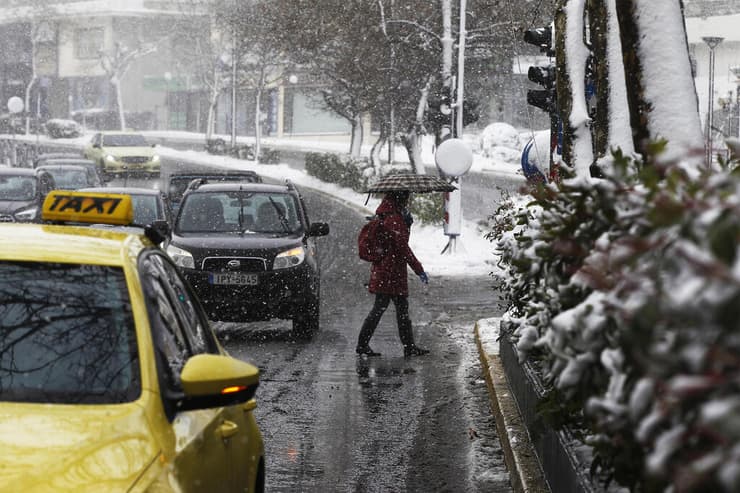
<point x="306" y="320"/>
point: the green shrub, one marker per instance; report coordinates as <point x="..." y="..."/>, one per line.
<point x="342" y="170"/>
<point x="625" y="292"/>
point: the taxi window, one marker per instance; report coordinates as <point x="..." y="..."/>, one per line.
<point x="125" y="140"/>
<point x="192" y="323"/>
<point x="66" y="335"/>
<point x="169" y="338"/>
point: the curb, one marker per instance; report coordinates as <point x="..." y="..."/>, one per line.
<point x="519" y="453"/>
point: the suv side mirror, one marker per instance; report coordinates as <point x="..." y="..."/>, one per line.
<point x="318" y="229"/>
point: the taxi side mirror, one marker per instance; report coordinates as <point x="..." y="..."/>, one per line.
<point x="214" y="380"/>
<point x="158" y="231"/>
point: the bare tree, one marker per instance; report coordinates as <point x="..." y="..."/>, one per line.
<point x="116" y="63"/>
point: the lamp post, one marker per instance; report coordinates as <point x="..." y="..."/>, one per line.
<point x="712" y="42"/>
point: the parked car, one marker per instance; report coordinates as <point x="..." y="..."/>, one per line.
<point x="91" y="170"/>
<point x="112" y="378"/>
<point x="174" y="185"/>
<point x="22" y="192"/>
<point x="149" y="204"/>
<point x="250" y="252"/>
<point x="42" y="158"/>
<point x="70" y="177"/>
<point x="119" y="153"/>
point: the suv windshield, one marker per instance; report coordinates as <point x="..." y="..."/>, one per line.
<point x="239" y="211"/>
<point x="17" y="187"/>
<point x="124" y="140"/>
<point x="66" y="334"/>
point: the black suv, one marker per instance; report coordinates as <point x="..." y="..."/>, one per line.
<point x="249" y="251"/>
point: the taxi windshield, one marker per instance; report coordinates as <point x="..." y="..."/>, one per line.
<point x="17" y="187"/>
<point x="66" y="334"/>
<point x="124" y="140"/>
<point x="67" y="178"/>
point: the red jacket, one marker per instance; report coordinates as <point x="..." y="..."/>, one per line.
<point x="389" y="275"/>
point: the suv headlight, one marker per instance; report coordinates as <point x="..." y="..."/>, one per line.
<point x="289" y="258"/>
<point x="181" y="258"/>
<point x="110" y="158"/>
<point x="26" y="215"/>
<point x="155" y="158"/>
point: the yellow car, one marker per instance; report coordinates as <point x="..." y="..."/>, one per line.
<point x="110" y="376"/>
<point x="118" y="153"/>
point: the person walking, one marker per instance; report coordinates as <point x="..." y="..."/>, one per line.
<point x="388" y="277"/>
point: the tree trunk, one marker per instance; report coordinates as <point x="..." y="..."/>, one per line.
<point x="257" y="123"/>
<point x="27" y="102"/>
<point x="572" y="57"/>
<point x="659" y="110"/>
<point x="212" y="105"/>
<point x="119" y="102"/>
<point x="356" y="141"/>
<point x="599" y="29"/>
<point x="375" y="151"/>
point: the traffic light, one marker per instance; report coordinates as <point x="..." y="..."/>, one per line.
<point x="440" y="110"/>
<point x="542" y="75"/>
<point x="541" y="37"/>
<point x="545" y="99"/>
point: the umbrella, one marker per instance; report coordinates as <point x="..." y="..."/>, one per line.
<point x="411" y="183"/>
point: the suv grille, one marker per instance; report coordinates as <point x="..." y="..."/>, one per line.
<point x="238" y="264"/>
<point x="6" y="218"/>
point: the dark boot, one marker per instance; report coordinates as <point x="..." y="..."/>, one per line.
<point x="406" y="333"/>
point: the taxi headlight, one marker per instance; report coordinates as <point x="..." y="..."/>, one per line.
<point x="155" y="158"/>
<point x="181" y="258"/>
<point x="289" y="258"/>
<point x="26" y="215"/>
<point x="110" y="158"/>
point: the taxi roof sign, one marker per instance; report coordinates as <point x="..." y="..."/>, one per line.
<point x="88" y="207"/>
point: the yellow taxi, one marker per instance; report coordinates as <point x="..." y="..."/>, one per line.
<point x="118" y="153"/>
<point x="110" y="376"/>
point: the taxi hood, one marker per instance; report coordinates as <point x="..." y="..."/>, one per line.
<point x="73" y="447"/>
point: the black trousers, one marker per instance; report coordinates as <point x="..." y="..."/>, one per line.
<point x="402" y="319"/>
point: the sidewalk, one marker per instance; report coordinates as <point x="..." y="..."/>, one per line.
<point x="521" y="460"/>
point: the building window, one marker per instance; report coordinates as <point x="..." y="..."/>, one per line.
<point x="88" y="43"/>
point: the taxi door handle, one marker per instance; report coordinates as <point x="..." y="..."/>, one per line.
<point x="228" y="429"/>
<point x="250" y="405"/>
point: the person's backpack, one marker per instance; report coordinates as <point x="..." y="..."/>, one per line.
<point x="371" y="241"/>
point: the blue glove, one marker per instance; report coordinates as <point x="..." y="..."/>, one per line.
<point x="424" y="277"/>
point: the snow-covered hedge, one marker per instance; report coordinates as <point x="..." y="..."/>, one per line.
<point x="625" y="292"/>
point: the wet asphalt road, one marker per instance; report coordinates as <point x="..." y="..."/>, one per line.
<point x="333" y="421"/>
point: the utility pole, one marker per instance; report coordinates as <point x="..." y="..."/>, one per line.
<point x="233" y="86"/>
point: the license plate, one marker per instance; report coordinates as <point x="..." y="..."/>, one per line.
<point x="233" y="279"/>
